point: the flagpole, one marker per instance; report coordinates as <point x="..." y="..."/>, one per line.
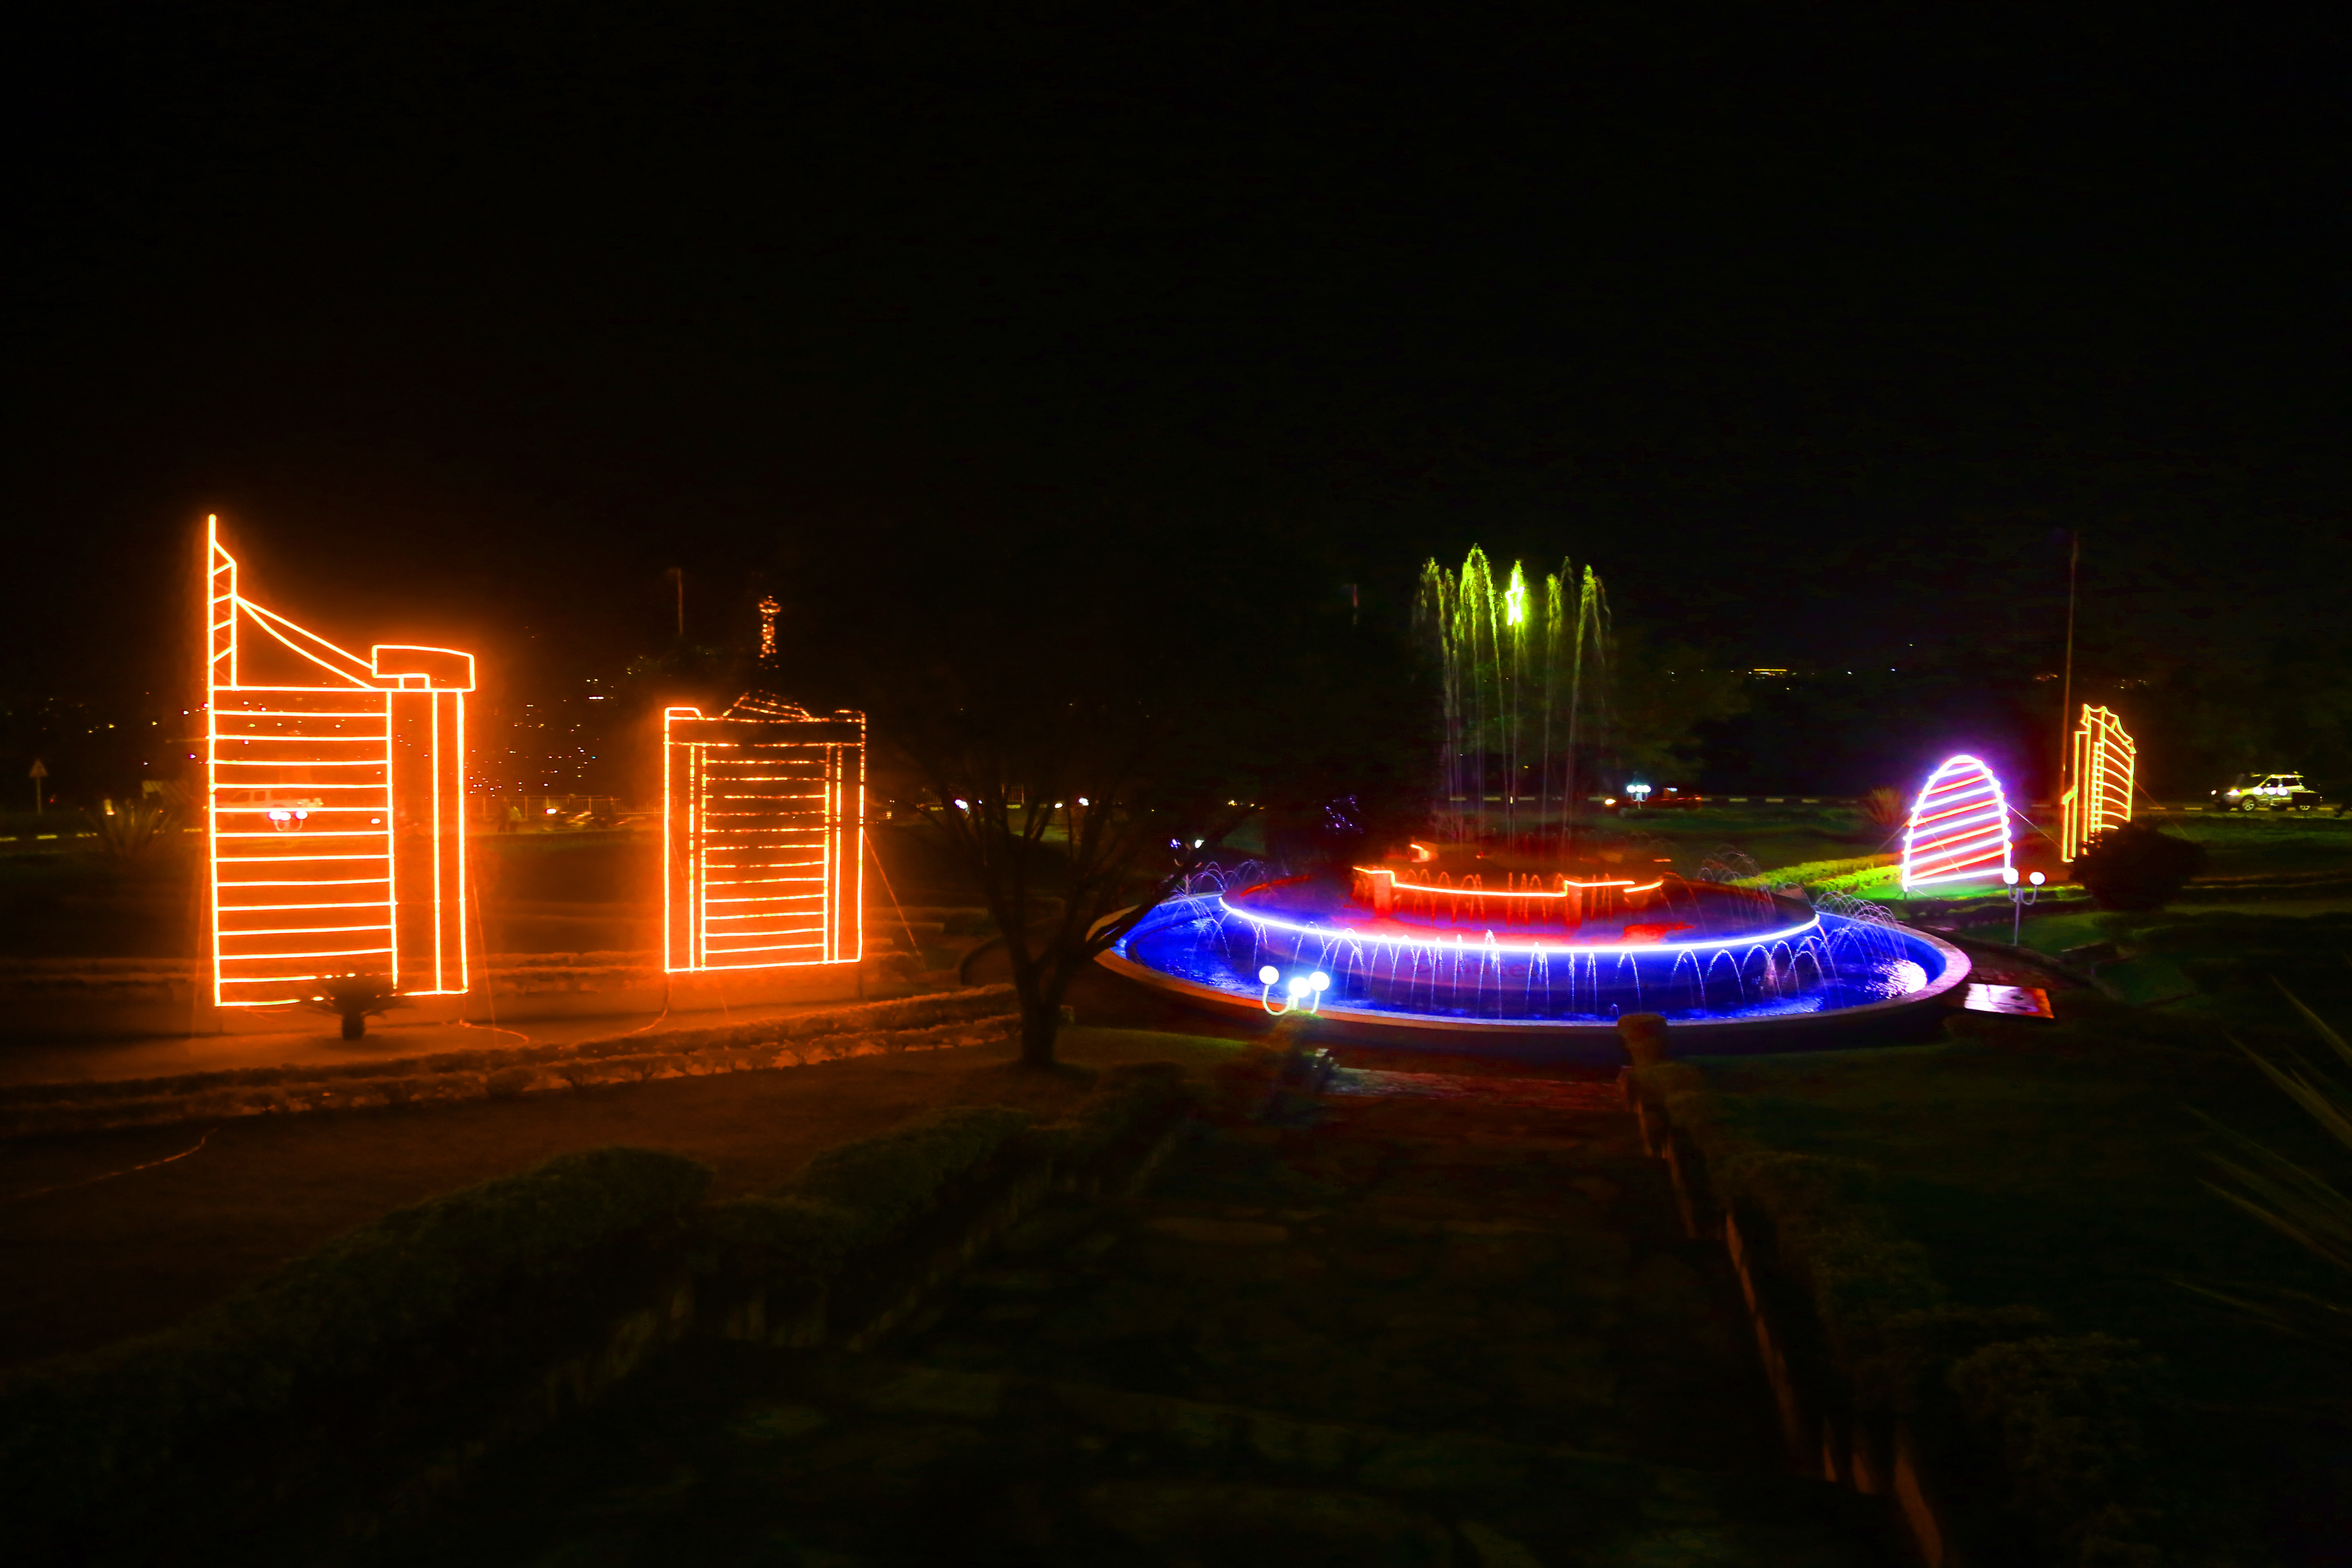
<point x="2066" y="684"/>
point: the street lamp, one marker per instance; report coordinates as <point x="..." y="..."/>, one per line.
<point x="2019" y="895"/>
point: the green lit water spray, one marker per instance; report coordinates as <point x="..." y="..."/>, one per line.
<point x="1523" y="687"/>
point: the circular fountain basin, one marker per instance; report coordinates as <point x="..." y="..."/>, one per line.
<point x="1732" y="970"/>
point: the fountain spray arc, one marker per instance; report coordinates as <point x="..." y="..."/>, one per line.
<point x="1524" y="684"/>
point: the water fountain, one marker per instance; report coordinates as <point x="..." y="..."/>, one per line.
<point x="1513" y="924"/>
<point x="1523" y="685"/>
<point x="1406" y="950"/>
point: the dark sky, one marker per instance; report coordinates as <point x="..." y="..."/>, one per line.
<point x="1811" y="338"/>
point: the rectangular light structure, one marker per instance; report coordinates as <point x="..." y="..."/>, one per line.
<point x="763" y="837"/>
<point x="2101" y="763"/>
<point x="336" y="794"/>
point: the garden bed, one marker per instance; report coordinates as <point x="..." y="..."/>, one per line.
<point x="1988" y="1250"/>
<point x="365" y="1379"/>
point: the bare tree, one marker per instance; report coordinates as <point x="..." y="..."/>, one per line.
<point x="1072" y="837"/>
<point x="1088" y="734"/>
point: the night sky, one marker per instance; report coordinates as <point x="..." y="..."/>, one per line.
<point x="1814" y="341"/>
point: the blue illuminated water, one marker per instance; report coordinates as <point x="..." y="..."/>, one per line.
<point x="1795" y="962"/>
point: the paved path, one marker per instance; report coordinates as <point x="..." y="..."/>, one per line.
<point x="1423" y="1319"/>
<point x="320" y="1044"/>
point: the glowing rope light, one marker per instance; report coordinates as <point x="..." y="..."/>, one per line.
<point x="1379" y="885"/>
<point x="763" y="837"/>
<point x="1959" y="827"/>
<point x="2100" y="796"/>
<point x="389" y="729"/>
<point x="1567" y="886"/>
<point x="1305" y="992"/>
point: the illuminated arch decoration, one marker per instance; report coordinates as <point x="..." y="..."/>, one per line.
<point x="763" y="836"/>
<point x="336" y="792"/>
<point x="1959" y="828"/>
<point x="2101" y="765"/>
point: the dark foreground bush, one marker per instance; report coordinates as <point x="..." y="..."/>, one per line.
<point x="2082" y="1432"/>
<point x="81" y="1433"/>
<point x="1127" y="1100"/>
<point x="2081" y="1424"/>
<point x="862" y="1195"/>
<point x="884" y="1182"/>
<point x="2137" y="866"/>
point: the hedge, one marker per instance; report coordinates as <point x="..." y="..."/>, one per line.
<point x="101" y="1443"/>
<point x="80" y="1432"/>
<point x="2064" y="1419"/>
<point x="861" y="1194"/>
<point x="1126" y="1100"/>
<point x="885" y="1182"/>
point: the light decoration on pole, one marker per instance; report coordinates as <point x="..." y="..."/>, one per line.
<point x="336" y="792"/>
<point x="764" y="836"/>
<point x="1303" y="995"/>
<point x="2101" y="765"/>
<point x="1959" y="828"/>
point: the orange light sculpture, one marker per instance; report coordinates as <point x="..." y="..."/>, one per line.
<point x="2101" y="766"/>
<point x="336" y="788"/>
<point x="763" y="836"/>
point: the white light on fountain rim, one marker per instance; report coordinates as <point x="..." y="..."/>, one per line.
<point x="1760" y="938"/>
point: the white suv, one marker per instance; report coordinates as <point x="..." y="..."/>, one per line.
<point x="2268" y="792"/>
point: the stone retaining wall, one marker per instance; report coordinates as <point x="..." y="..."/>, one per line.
<point x="979" y="1015"/>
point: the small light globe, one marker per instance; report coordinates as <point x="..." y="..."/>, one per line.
<point x="1321" y="982"/>
<point x="1297" y="986"/>
<point x="2035" y="878"/>
<point x="2008" y="875"/>
<point x="1269" y="975"/>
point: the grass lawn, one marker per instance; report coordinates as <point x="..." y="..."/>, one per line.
<point x="1773" y="838"/>
<point x="94" y="1261"/>
<point x="2267" y="844"/>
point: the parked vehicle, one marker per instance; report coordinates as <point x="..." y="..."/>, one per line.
<point x="2268" y="792"/>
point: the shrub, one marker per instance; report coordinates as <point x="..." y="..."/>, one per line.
<point x="882" y="1183"/>
<point x="1125" y="1099"/>
<point x="356" y="999"/>
<point x="130" y="835"/>
<point x="2304" y="1206"/>
<point x="1884" y="809"/>
<point x="2066" y="1420"/>
<point x="2070" y="1417"/>
<point x="2137" y="866"/>
<point x="77" y="1432"/>
<point x="781" y="1237"/>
